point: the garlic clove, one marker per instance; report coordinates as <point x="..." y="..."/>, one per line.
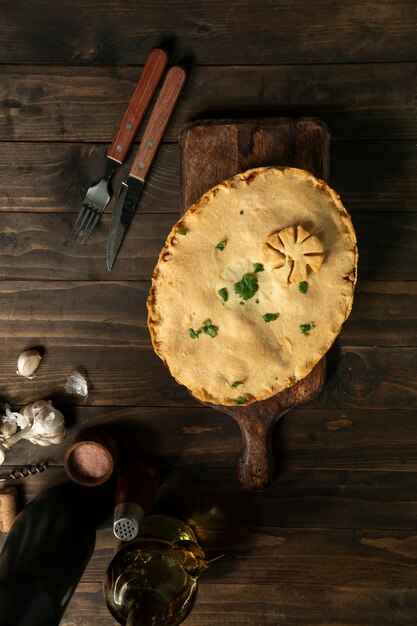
<point x="27" y="412"/>
<point x="39" y="408"/>
<point x="77" y="384"/>
<point x="28" y="362"/>
<point x="7" y="428"/>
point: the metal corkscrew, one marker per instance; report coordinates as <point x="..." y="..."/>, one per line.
<point x="24" y="472"/>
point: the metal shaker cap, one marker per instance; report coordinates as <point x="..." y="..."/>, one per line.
<point x="135" y="491"/>
<point x="128" y="516"/>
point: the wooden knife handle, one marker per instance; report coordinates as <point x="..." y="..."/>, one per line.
<point x="161" y="114"/>
<point x="145" y="88"/>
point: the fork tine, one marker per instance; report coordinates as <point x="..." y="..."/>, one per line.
<point x="86" y="221"/>
<point x="88" y="214"/>
<point x="90" y="226"/>
<point x="79" y="221"/>
<point x="87" y="217"/>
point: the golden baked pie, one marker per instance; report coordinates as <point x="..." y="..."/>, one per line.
<point x="253" y="285"/>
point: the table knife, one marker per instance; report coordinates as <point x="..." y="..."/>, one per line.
<point x="98" y="195"/>
<point x="132" y="187"/>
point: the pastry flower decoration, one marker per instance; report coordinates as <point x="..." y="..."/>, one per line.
<point x="293" y="251"/>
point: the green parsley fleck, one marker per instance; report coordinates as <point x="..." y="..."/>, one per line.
<point x="270" y="317"/>
<point x="242" y="303"/>
<point x="258" y="267"/>
<point x="305" y="328"/>
<point x="257" y="301"/>
<point x="303" y="286"/>
<point x="181" y="232"/>
<point x="240" y="400"/>
<point x="221" y="245"/>
<point x="237" y="383"/>
<point x="209" y="328"/>
<point x="223" y="294"/>
<point x="241" y="212"/>
<point x="247" y="286"/>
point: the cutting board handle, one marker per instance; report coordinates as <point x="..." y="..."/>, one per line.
<point x="256" y="464"/>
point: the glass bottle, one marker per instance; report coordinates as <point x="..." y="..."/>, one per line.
<point x="45" y="554"/>
<point x="152" y="580"/>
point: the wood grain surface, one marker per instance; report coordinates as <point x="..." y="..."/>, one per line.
<point x="247" y="604"/>
<point x="333" y="541"/>
<point x="367" y="178"/>
<point x="124" y="32"/>
<point x="77" y="103"/>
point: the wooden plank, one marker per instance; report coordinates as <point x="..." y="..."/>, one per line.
<point x="55" y="103"/>
<point x="385" y="246"/>
<point x="383" y="314"/>
<point x="36" y="246"/>
<point x="375" y="440"/>
<point x="172" y="437"/>
<point x="49" y="177"/>
<point x="41" y="242"/>
<point x="114" y="313"/>
<point x="212" y="498"/>
<point x="124" y="32"/>
<point x="53" y="177"/>
<point x="380" y="176"/>
<point x="286" y="556"/>
<point x="296" y="499"/>
<point x="269" y="605"/>
<point x="347" y="439"/>
<point x="358" y="377"/>
<point x="65" y="313"/>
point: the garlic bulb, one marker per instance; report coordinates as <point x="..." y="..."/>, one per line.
<point x="41" y="424"/>
<point x="28" y="362"/>
<point x="47" y="423"/>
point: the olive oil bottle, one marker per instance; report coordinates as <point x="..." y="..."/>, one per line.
<point x="152" y="580"/>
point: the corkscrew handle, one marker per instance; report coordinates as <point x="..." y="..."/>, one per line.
<point x="24" y="472"/>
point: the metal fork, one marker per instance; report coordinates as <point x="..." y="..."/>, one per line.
<point x="95" y="202"/>
<point x="98" y="196"/>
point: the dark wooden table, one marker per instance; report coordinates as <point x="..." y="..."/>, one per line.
<point x="334" y="540"/>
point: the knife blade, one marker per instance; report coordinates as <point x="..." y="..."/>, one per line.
<point x="132" y="187"/>
<point x="129" y="195"/>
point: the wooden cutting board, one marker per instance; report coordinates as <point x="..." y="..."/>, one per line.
<point x="211" y="151"/>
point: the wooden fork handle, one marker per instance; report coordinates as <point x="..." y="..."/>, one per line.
<point x="145" y="88"/>
<point x="161" y="114"/>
